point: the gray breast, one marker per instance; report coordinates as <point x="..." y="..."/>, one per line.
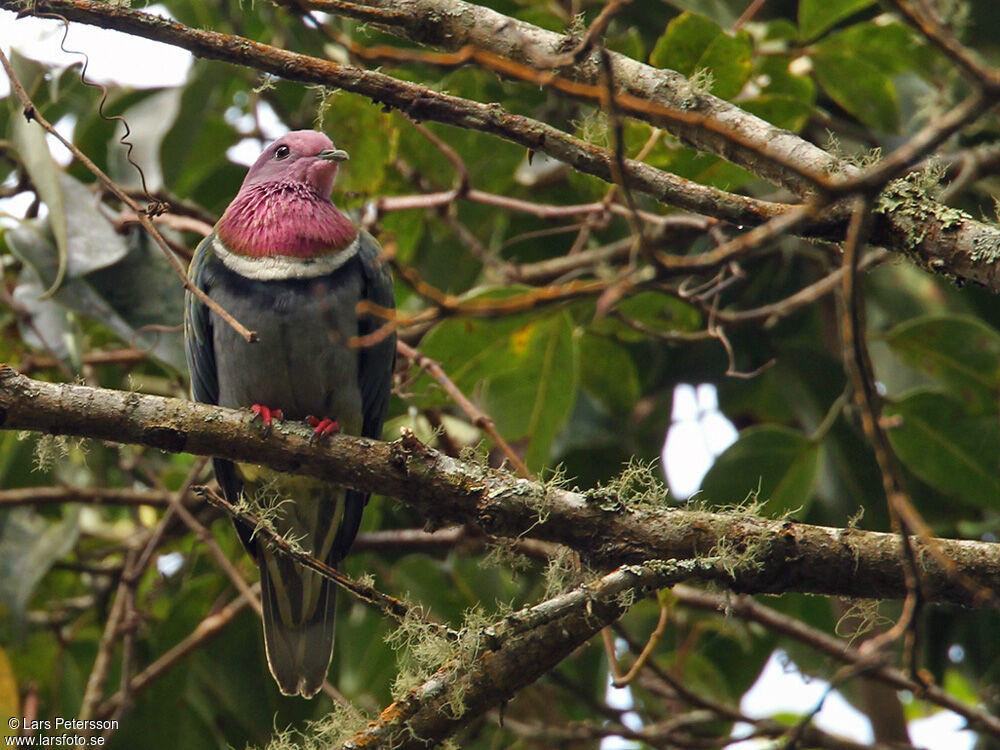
<point x="302" y="363"/>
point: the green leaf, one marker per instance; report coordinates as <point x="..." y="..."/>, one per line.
<point x="948" y="448"/>
<point x="363" y="661"/>
<point x="682" y="44"/>
<point x="692" y="42"/>
<point x="142" y="289"/>
<point x="659" y="312"/>
<point x="368" y="134"/>
<point x="521" y="371"/>
<point x="781" y="80"/>
<point x="407" y="229"/>
<point x="628" y="43"/>
<point x="786" y="99"/>
<point x="135" y="291"/>
<point x="811" y="610"/>
<point x="543" y="17"/>
<point x="960" y="352"/>
<point x="29" y="545"/>
<point x="16" y="468"/>
<point x="780" y="29"/>
<point x="608" y="374"/>
<point x="700" y="673"/>
<point x="699" y="166"/>
<point x="29" y="140"/>
<point x="816" y="16"/>
<point x="860" y="87"/>
<point x="45" y="324"/>
<point x="720" y="11"/>
<point x="890" y="47"/>
<point x="781" y="462"/>
<point x="93" y="242"/>
<point x="32" y="75"/>
<point x="959" y="686"/>
<point x="729" y="59"/>
<point x="781" y="111"/>
<point x="195" y="165"/>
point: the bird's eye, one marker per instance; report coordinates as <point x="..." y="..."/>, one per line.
<point x="282" y="152"/>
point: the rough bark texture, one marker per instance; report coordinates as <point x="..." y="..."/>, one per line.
<point x="608" y="531"/>
<point x="454" y="24"/>
<point x="514" y="653"/>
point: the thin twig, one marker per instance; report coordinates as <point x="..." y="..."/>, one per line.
<point x="206" y="538"/>
<point x="972" y="67"/>
<point x="647" y="650"/>
<point x="98" y="357"/>
<point x="207" y="629"/>
<point x="589" y="40"/>
<point x="94" y="690"/>
<point x="32" y="113"/>
<point x="863" y="377"/>
<point x="388" y="605"/>
<point x="748" y="609"/>
<point x="478" y="417"/>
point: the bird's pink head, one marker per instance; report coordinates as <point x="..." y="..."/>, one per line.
<point x="284" y="207"/>
<point x="302" y="156"/>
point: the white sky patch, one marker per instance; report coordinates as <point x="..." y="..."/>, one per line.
<point x="246" y="151"/>
<point x="698" y="433"/>
<point x="12" y="210"/>
<point x="621" y="698"/>
<point x="114" y="56"/>
<point x="169" y="563"/>
<point x="943" y="729"/>
<point x="782" y="688"/>
<point x="65" y="127"/>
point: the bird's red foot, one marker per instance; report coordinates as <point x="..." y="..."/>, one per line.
<point x="322" y="427"/>
<point x="266" y="414"/>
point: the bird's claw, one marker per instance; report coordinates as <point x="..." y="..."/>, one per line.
<point x="322" y="427"/>
<point x="266" y="414"/>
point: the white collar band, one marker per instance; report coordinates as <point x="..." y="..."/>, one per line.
<point x="283" y="267"/>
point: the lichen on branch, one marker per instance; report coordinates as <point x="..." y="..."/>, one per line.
<point x="787" y="556"/>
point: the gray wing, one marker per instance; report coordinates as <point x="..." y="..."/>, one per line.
<point x="200" y="353"/>
<point x="375" y="363"/>
<point x="375" y="366"/>
<point x="198" y="330"/>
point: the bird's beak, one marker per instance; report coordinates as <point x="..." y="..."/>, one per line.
<point x="333" y="154"/>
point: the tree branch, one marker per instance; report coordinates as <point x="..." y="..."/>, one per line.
<point x="933" y="235"/>
<point x="416" y="101"/>
<point x="747" y="609"/>
<point x="207" y="629"/>
<point x="515" y="652"/>
<point x="606" y="529"/>
<point x="942" y="240"/>
<point x="454" y="24"/>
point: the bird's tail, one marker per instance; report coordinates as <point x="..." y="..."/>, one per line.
<point x="299" y="607"/>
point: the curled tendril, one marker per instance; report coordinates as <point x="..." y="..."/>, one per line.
<point x="155" y="206"/>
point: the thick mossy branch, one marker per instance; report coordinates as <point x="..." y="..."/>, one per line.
<point x="454" y="24"/>
<point x="787" y="556"/>
<point x="503" y="657"/>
